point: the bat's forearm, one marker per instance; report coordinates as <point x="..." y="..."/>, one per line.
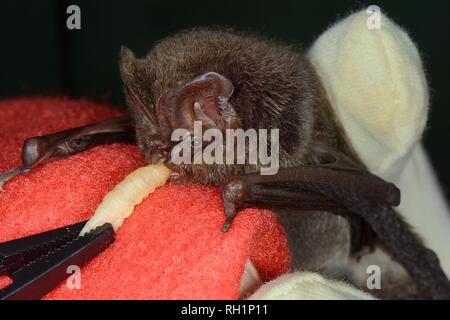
<point x="318" y="188"/>
<point x="36" y="150"/>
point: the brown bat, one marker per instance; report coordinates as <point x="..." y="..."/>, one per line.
<point x="230" y="80"/>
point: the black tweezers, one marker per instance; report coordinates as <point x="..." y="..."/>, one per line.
<point x="38" y="263"/>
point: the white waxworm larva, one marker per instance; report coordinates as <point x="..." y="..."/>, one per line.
<point x="119" y="203"/>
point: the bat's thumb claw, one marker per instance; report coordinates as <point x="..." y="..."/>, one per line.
<point x="226" y="226"/>
<point x="8" y="175"/>
<point x="232" y="193"/>
<point x="230" y="212"/>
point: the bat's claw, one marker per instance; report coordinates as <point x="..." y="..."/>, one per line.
<point x="7" y="175"/>
<point x="226" y="226"/>
<point x="233" y="192"/>
<point x="230" y="212"/>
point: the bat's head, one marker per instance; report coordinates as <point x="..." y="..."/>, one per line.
<point x="172" y="117"/>
<point x="224" y="80"/>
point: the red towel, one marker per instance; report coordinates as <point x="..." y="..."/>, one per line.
<point x="170" y="247"/>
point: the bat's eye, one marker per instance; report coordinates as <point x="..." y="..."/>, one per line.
<point x="156" y="142"/>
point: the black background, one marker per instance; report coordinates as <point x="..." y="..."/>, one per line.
<point x="40" y="56"/>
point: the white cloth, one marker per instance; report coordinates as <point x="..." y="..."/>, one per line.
<point x="376" y="84"/>
<point x="308" y="286"/>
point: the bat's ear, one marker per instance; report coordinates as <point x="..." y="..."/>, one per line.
<point x="134" y="73"/>
<point x="127" y="63"/>
<point x="204" y="98"/>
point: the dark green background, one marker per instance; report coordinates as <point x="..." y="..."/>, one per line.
<point x="40" y="56"/>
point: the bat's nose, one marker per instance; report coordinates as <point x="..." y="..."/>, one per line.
<point x="156" y="156"/>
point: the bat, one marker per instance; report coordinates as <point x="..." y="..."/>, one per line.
<point x="232" y="80"/>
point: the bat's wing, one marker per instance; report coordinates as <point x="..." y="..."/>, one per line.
<point x="39" y="149"/>
<point x="337" y="189"/>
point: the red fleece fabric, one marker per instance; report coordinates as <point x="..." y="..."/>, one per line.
<point x="170" y="247"/>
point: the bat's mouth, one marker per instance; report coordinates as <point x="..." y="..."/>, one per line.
<point x="163" y="154"/>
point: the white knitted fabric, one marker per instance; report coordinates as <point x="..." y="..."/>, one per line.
<point x="376" y="84"/>
<point x="308" y="286"/>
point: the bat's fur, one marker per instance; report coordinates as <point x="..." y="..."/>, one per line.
<point x="274" y="87"/>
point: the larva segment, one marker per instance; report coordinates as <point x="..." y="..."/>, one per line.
<point x="119" y="203"/>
